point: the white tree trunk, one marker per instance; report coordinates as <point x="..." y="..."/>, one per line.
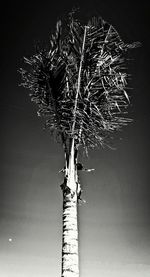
<point x="70" y="257"/>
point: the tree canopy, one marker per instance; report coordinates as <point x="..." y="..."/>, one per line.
<point x="79" y="81"/>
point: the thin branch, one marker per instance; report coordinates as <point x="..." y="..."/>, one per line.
<point x="79" y="81"/>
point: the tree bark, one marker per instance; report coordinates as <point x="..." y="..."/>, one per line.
<point x="70" y="257"/>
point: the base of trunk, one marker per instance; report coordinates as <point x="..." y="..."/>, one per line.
<point x="70" y="260"/>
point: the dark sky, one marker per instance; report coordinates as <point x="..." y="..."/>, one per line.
<point x="115" y="221"/>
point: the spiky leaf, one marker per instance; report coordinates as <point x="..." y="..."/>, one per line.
<point x="79" y="82"/>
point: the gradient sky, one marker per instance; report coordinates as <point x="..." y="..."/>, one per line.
<point x="115" y="222"/>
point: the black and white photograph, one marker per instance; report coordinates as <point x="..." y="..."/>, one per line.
<point x="74" y="140"/>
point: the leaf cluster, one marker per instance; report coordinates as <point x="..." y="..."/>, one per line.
<point x="79" y="81"/>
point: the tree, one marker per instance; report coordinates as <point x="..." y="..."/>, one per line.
<point x="78" y="83"/>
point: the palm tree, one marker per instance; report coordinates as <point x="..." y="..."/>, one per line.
<point x="78" y="83"/>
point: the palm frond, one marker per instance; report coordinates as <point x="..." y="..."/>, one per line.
<point x="79" y="83"/>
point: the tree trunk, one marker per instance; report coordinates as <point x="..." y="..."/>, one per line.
<point x="70" y="257"/>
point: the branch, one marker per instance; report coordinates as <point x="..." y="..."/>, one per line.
<point x="79" y="81"/>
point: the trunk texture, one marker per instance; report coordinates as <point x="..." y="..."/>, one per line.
<point x="70" y="257"/>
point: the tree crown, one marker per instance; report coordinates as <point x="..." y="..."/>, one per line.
<point x="79" y="81"/>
